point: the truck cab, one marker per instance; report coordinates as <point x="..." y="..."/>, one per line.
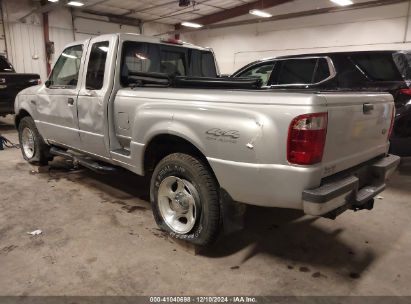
<point x="75" y="107"/>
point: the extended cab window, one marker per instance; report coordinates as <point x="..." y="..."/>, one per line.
<point x="141" y="57"/>
<point x="66" y="69"/>
<point x="96" y="66"/>
<point x="261" y="71"/>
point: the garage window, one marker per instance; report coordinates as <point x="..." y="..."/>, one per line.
<point x="66" y="70"/>
<point x="96" y="66"/>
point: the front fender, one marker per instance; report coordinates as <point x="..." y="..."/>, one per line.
<point x="24" y="104"/>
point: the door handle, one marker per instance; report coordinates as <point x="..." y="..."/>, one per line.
<point x="70" y="101"/>
<point x="367" y="108"/>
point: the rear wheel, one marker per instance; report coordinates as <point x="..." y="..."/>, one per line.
<point x="185" y="199"/>
<point x="32" y="145"/>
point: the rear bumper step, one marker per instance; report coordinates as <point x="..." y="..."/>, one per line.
<point x="334" y="197"/>
<point x="84" y="161"/>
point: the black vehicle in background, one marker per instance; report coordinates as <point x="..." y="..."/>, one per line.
<point x="388" y="71"/>
<point x="11" y="83"/>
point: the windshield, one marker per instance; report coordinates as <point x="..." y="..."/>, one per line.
<point x="5" y="65"/>
<point x="403" y="61"/>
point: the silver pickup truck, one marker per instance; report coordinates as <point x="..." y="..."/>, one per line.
<point x="157" y="108"/>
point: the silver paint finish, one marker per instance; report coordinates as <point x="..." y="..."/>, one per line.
<point x="177" y="204"/>
<point x="92" y="104"/>
<point x="27" y="140"/>
<point x="124" y="119"/>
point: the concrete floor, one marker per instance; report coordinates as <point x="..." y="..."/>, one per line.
<point x="99" y="238"/>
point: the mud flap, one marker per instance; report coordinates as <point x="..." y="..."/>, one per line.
<point x="233" y="214"/>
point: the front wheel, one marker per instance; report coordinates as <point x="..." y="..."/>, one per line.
<point x="184" y="195"/>
<point x="32" y="145"/>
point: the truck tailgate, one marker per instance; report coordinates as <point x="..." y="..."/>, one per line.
<point x="358" y="129"/>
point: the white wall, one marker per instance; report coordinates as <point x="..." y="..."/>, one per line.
<point x="25" y="46"/>
<point x="25" y="41"/>
<point x="383" y="27"/>
<point x="3" y="48"/>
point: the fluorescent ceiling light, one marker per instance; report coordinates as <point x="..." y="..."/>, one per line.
<point x="191" y="24"/>
<point x="53" y="0"/>
<point x="75" y="3"/>
<point x="260" y="13"/>
<point x="342" y="2"/>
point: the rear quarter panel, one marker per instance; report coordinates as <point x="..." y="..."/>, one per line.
<point x="243" y="135"/>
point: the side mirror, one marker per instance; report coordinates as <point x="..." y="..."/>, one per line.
<point x="48" y="83"/>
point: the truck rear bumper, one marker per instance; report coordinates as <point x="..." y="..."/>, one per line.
<point x="350" y="190"/>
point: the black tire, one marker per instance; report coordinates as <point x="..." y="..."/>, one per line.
<point x="41" y="154"/>
<point x="193" y="170"/>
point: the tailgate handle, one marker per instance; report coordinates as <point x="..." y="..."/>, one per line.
<point x="367" y="108"/>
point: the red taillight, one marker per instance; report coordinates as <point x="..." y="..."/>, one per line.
<point x="405" y="91"/>
<point x="392" y="122"/>
<point x="306" y="139"/>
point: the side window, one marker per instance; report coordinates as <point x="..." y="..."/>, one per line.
<point x="96" y="66"/>
<point x="261" y="71"/>
<point x="297" y="71"/>
<point x="378" y="67"/>
<point x="323" y="70"/>
<point x="140" y="58"/>
<point x="66" y="70"/>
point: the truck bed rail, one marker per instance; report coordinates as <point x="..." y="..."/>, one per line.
<point x="162" y="79"/>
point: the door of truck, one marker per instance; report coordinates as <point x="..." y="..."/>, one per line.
<point x="94" y="95"/>
<point x="57" y="100"/>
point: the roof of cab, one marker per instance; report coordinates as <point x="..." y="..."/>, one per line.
<point x="143" y="38"/>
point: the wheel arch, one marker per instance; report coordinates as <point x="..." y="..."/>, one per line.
<point x="161" y="145"/>
<point x="20" y="115"/>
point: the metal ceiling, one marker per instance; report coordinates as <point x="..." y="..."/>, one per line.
<point x="162" y="11"/>
<point x="210" y="13"/>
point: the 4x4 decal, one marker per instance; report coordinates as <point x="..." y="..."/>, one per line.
<point x="218" y="132"/>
